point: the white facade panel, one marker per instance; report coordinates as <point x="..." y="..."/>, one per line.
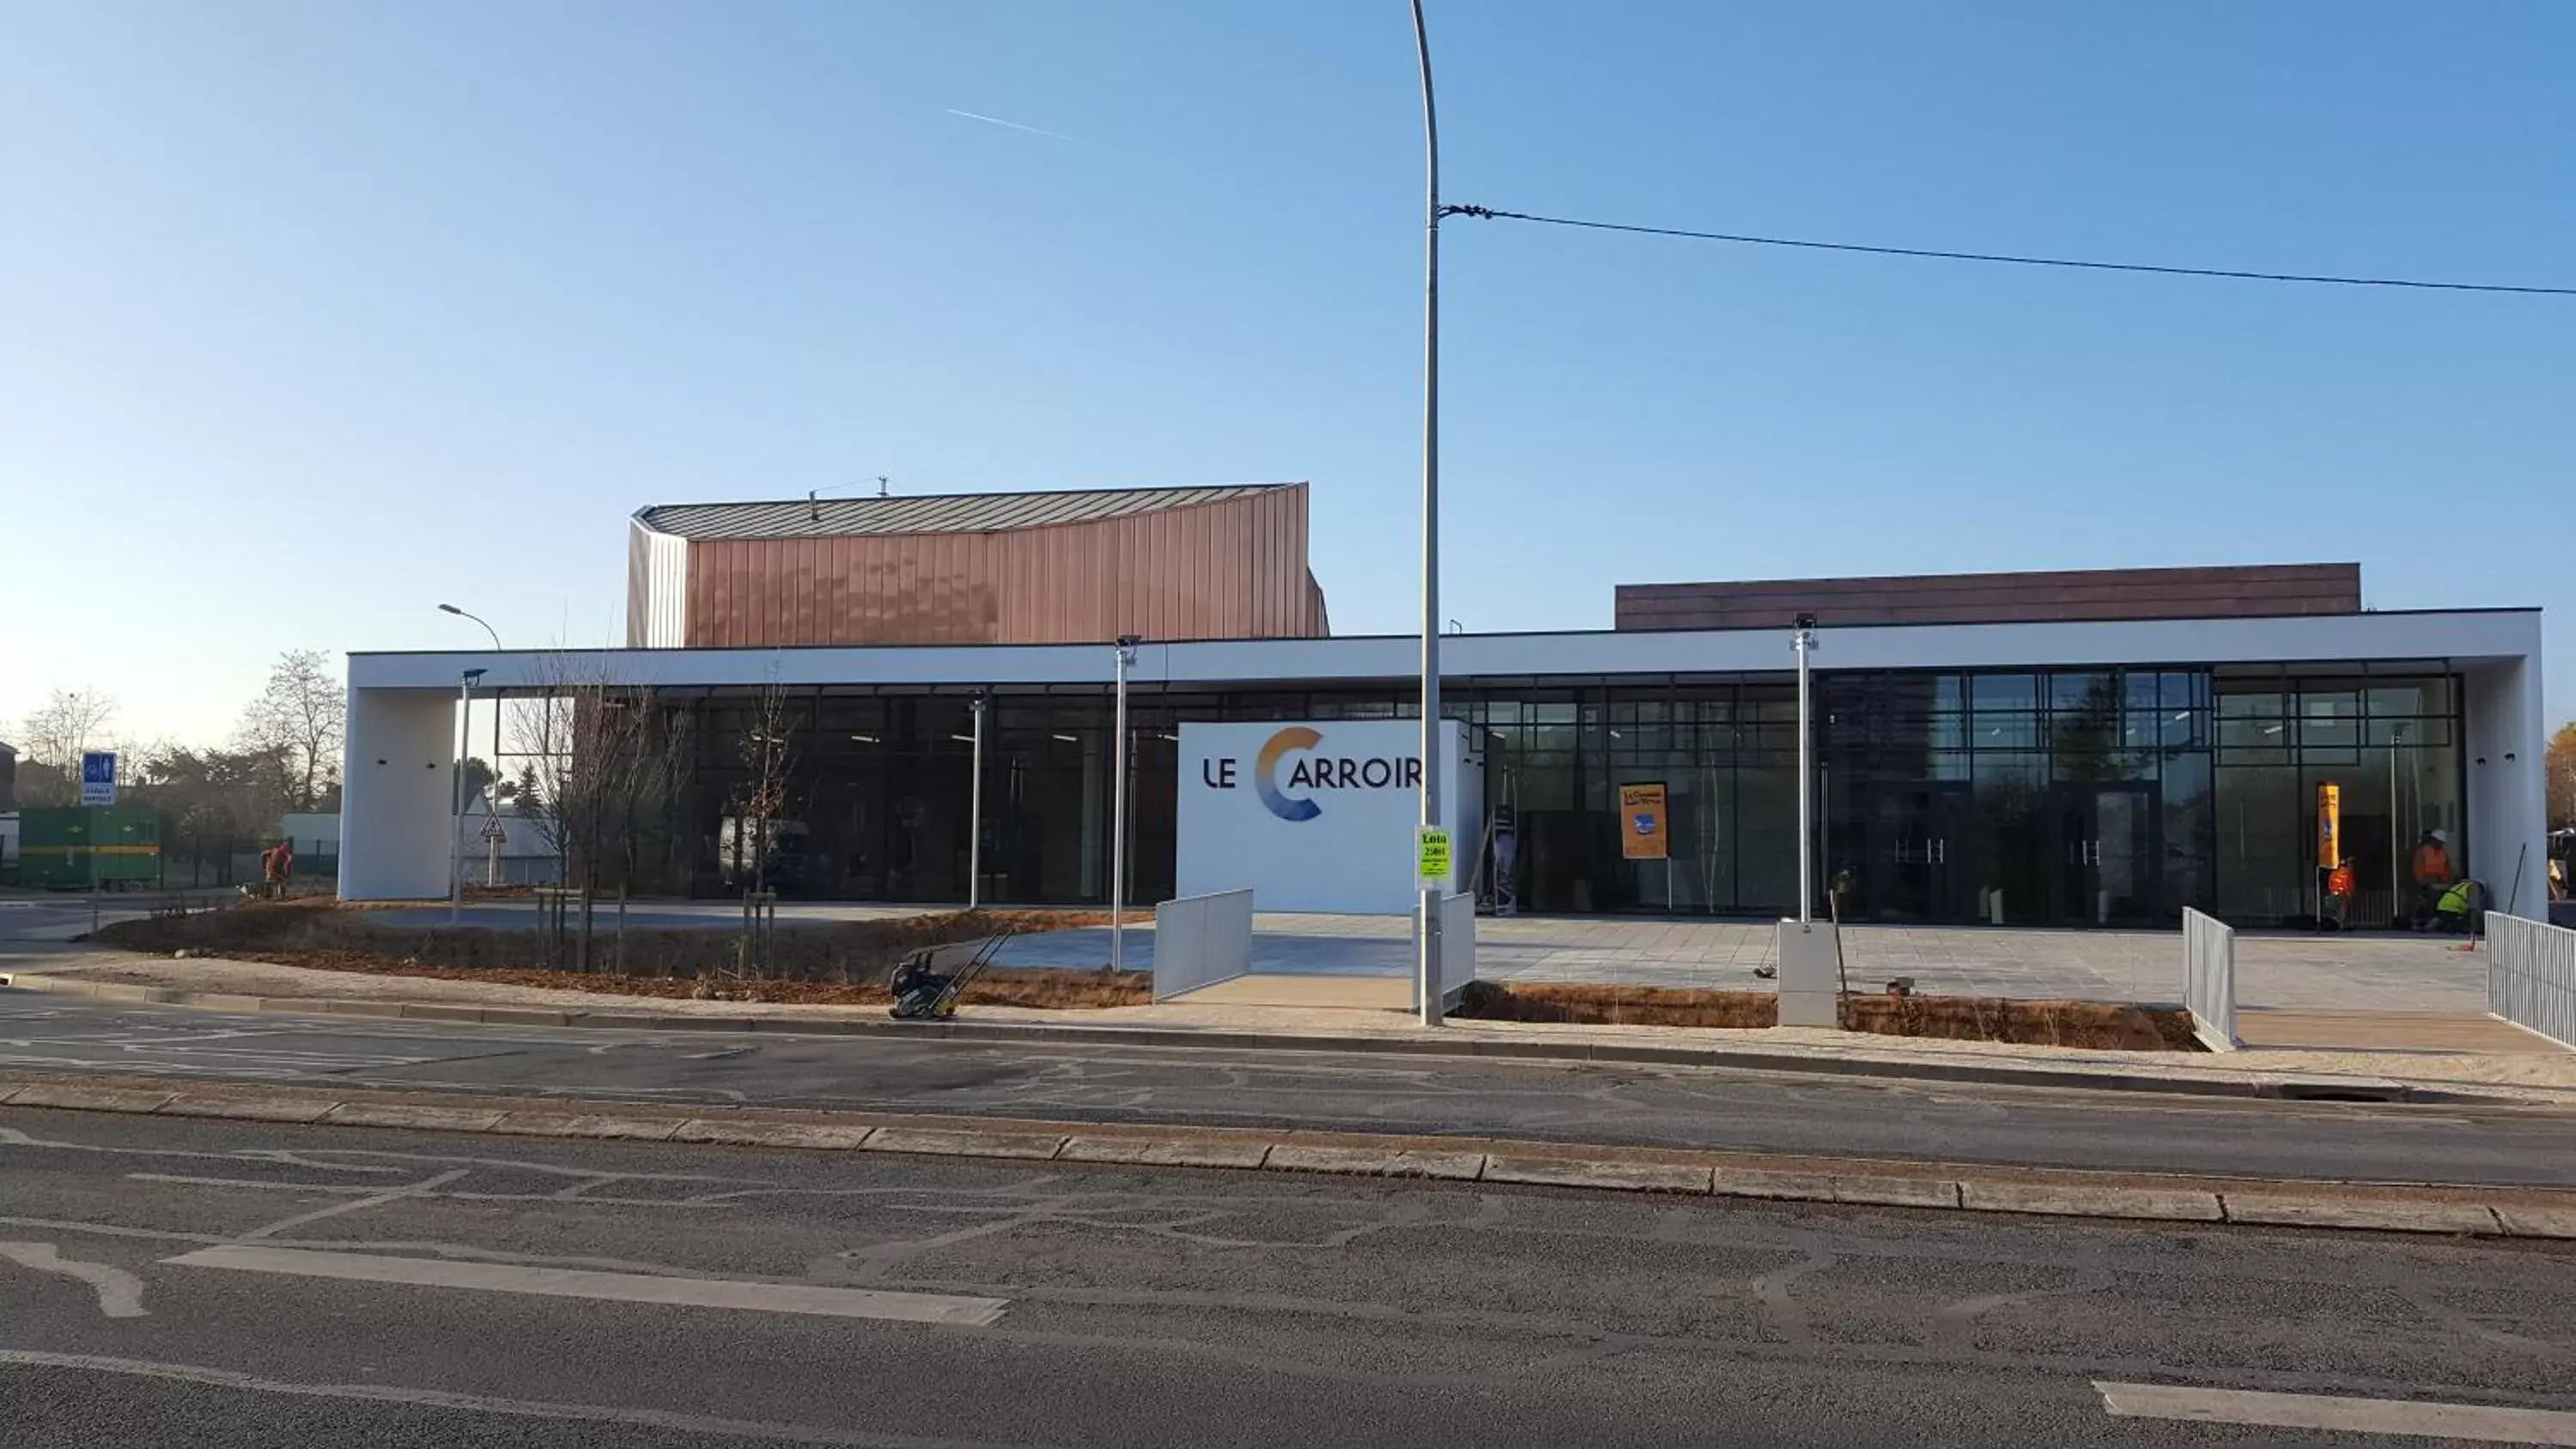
<point x="2461" y="636"/>
<point x="1314" y="815"/>
<point x="398" y="803"/>
<point x="666" y="564"/>
<point x="2508" y="824"/>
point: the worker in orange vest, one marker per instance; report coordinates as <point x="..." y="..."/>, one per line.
<point x="2432" y="874"/>
<point x="2339" y="894"/>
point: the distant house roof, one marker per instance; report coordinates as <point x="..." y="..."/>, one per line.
<point x="949" y="513"/>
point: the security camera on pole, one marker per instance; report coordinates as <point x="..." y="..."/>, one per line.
<point x="1810" y="951"/>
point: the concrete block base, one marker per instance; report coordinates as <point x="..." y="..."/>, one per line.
<point x="1811" y="959"/>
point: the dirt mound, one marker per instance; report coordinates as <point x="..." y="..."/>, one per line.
<point x="1003" y="986"/>
<point x="310" y="932"/>
<point x="2116" y="1026"/>
<point x="1617" y="1005"/>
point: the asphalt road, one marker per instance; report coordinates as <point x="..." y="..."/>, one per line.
<point x="36" y="926"/>
<point x="1623" y="1104"/>
<point x="39" y="925"/>
<point x="214" y="1284"/>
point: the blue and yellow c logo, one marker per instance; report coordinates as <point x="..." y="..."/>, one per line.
<point x="1295" y="737"/>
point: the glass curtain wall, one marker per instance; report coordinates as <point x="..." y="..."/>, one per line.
<point x="2071" y="797"/>
<point x="2079" y="797"/>
<point x="2388" y="743"/>
<point x="1725" y="753"/>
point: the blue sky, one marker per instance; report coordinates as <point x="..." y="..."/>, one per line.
<point x="314" y="315"/>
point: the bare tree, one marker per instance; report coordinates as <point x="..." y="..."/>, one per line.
<point x="302" y="716"/>
<point x="2560" y="764"/>
<point x="55" y="734"/>
<point x="759" y="806"/>
<point x="214" y="804"/>
<point x="755" y="819"/>
<point x="604" y="768"/>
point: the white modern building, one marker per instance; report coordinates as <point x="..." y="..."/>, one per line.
<point x="2064" y="748"/>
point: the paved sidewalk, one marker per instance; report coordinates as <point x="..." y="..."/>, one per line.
<point x="2347" y="973"/>
<point x="2542" y="1076"/>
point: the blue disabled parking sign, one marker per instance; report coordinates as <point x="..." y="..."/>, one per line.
<point x="98" y="777"/>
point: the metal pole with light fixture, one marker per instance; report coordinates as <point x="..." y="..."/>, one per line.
<point x="1804" y="641"/>
<point x="1427" y="966"/>
<point x="497" y="648"/>
<point x="1126" y="656"/>
<point x="975" y="813"/>
<point x="2397" y="908"/>
<point x="456" y="851"/>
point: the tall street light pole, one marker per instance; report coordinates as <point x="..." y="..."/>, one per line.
<point x="1804" y="641"/>
<point x="1125" y="657"/>
<point x="456" y="848"/>
<point x="496" y="700"/>
<point x="975" y="813"/>
<point x="1427" y="968"/>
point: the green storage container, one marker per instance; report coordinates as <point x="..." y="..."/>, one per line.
<point x="79" y="847"/>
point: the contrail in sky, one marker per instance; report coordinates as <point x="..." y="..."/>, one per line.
<point x="1013" y="125"/>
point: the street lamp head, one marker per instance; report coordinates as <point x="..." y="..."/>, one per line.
<point x="1806" y="621"/>
<point x="449" y="609"/>
<point x="473" y="676"/>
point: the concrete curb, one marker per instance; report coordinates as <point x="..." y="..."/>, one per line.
<point x="2486" y="1212"/>
<point x="1995" y="1074"/>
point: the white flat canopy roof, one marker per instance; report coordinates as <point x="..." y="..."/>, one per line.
<point x="2461" y="636"/>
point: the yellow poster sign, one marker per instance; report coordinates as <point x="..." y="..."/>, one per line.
<point x="1434" y="851"/>
<point x="1644" y="830"/>
<point x="2329" y="826"/>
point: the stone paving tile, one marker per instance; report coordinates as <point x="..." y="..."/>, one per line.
<point x="2358" y="972"/>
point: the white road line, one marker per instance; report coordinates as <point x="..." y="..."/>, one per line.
<point x="120" y="1294"/>
<point x="2348" y="1415"/>
<point x="898" y="1307"/>
<point x="409" y="1189"/>
<point x="735" y="1429"/>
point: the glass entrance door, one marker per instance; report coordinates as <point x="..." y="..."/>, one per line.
<point x="2106" y="854"/>
<point x="1913" y="865"/>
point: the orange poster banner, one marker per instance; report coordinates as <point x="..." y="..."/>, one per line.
<point x="1643" y="830"/>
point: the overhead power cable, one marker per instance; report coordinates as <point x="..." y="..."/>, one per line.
<point x="1487" y="213"/>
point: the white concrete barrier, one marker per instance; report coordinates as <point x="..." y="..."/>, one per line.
<point x="1201" y="940"/>
<point x="2531" y="976"/>
<point x="2209" y="979"/>
<point x="1457" y="946"/>
<point x="1810" y="961"/>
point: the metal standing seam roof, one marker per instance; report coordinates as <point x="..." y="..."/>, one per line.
<point x="949" y="513"/>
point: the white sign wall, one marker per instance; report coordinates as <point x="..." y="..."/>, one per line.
<point x="1317" y="815"/>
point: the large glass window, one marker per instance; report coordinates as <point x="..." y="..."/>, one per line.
<point x="2282" y="738"/>
<point x="2085" y="795"/>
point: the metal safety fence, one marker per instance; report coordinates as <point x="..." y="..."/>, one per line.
<point x="2531" y="976"/>
<point x="2209" y="979"/>
<point x="1201" y="940"/>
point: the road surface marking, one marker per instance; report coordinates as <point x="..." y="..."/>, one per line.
<point x="737" y="1429"/>
<point x="393" y="1194"/>
<point x="2347" y="1415"/>
<point x="120" y="1294"/>
<point x="615" y="1287"/>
